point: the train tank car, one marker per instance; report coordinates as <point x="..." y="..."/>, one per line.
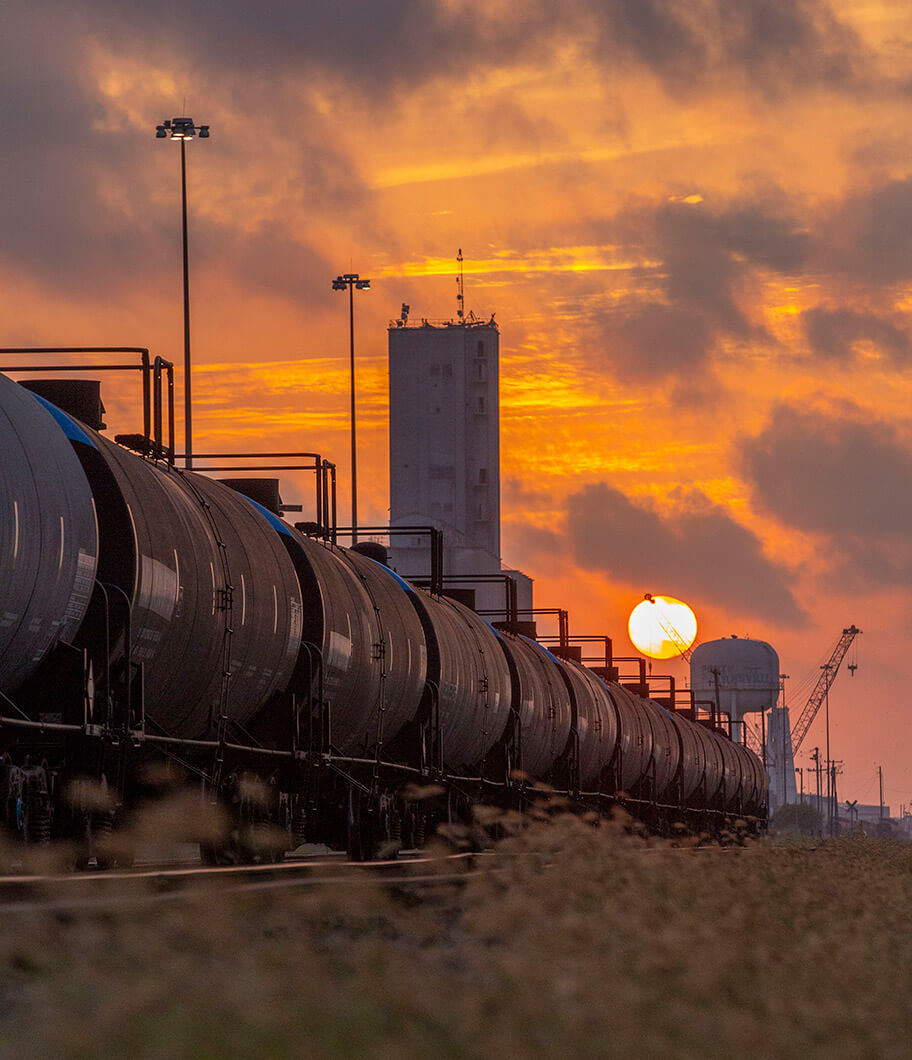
<point x="207" y="626"/>
<point x="48" y="536"/>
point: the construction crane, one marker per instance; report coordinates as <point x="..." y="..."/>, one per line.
<point x="824" y="683"/>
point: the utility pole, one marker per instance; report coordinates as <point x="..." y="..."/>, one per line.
<point x="800" y="771"/>
<point x="763" y="733"/>
<point x="880" y="774"/>
<point x="783" y="734"/>
<point x="826" y="668"/>
<point x="815" y="758"/>
<point x="835" y="770"/>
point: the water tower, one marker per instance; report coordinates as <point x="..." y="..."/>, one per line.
<point x="738" y="675"/>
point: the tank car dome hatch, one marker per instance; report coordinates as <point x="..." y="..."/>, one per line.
<point x="745" y="672"/>
<point x="265" y="491"/>
<point x="81" y="398"/>
<point x="373" y="550"/>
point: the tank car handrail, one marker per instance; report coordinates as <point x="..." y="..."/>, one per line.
<point x="587" y="638"/>
<point x="435" y="534"/>
<point x="145" y="367"/>
<point x="510" y="593"/>
<point x="158" y="365"/>
<point x="563" y="619"/>
<point x="317" y="465"/>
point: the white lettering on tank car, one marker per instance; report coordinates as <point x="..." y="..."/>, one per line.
<point x="295" y="625"/>
<point x="83" y="581"/>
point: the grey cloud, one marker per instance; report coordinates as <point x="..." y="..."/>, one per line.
<point x="656" y="340"/>
<point x="704" y="254"/>
<point x="700" y="552"/>
<point x="871" y="234"/>
<point x="370" y="46"/>
<point x="840" y="474"/>
<point x="75" y="211"/>
<point x="383" y="45"/>
<point x="844" y="477"/>
<point x="61" y="169"/>
<point x="832" y="333"/>
<point x="269" y="258"/>
<point x="769" y="47"/>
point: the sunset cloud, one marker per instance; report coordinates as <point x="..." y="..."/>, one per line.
<point x="700" y="550"/>
<point x="692" y="219"/>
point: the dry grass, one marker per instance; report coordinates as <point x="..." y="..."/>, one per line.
<point x="584" y="943"/>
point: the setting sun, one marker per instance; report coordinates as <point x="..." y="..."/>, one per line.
<point x="662" y="627"/>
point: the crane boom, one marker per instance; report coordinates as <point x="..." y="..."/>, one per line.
<point x="684" y="649"/>
<point x="824" y="682"/>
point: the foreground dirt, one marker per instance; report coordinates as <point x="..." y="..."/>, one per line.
<point x="577" y="942"/>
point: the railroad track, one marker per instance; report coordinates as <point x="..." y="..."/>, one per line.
<point x="85" y="892"/>
<point x="106" y="890"/>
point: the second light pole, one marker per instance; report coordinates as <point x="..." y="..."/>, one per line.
<point x="352" y="281"/>
<point x="183" y="129"/>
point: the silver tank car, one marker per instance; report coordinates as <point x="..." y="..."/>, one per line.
<point x="541" y="699"/>
<point x="469" y="674"/>
<point x="596" y="722"/>
<point x="48" y="535"/>
<point x="195" y="561"/>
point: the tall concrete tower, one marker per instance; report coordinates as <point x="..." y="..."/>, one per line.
<point x="445" y="448"/>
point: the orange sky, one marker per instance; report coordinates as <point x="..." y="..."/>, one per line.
<point x="692" y="220"/>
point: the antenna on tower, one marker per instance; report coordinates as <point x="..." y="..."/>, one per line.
<point x="460" y="289"/>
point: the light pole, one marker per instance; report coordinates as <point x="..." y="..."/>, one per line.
<point x="352" y="281"/>
<point x="183" y="129"/>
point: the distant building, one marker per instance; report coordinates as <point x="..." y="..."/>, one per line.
<point x="780" y="759"/>
<point x="445" y="451"/>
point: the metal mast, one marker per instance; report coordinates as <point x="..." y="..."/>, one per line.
<point x="826" y="679"/>
<point x="460" y="290"/>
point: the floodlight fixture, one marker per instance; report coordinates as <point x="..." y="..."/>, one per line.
<point x="182" y="130"/>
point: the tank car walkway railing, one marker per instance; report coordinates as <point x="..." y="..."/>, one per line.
<point x="324" y="477"/>
<point x="563" y="621"/>
<point x="604" y="661"/>
<point x="152" y="386"/>
<point x="510" y="608"/>
<point x="145" y="366"/>
<point x="433" y="581"/>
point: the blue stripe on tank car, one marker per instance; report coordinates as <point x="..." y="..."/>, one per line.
<point x="541" y="647"/>
<point x="397" y="578"/>
<point x="271" y="517"/>
<point x="68" y="425"/>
